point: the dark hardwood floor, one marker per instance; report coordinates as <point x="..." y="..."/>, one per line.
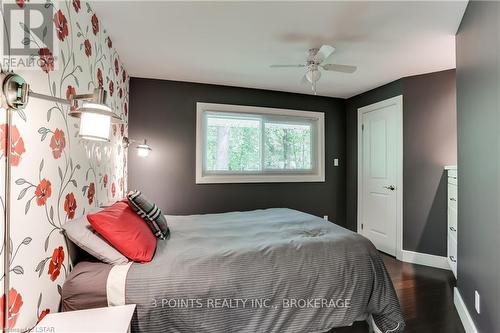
<point x="426" y="297"/>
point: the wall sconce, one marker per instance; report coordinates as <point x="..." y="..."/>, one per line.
<point x="95" y="116"/>
<point x="143" y="149"/>
<point x="95" y="119"/>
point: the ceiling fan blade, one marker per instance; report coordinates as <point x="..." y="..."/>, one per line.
<point x="339" y="68"/>
<point x="287" y="66"/>
<point x="324" y="52"/>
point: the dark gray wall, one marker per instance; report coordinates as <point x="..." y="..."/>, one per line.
<point x="429" y="143"/>
<point x="165" y="113"/>
<point x="478" y="104"/>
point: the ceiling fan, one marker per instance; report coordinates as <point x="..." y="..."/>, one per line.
<point x="319" y="58"/>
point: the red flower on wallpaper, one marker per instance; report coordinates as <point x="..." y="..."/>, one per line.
<point x="57" y="143"/>
<point x="15" y="303"/>
<point x="117" y="67"/>
<point x="20" y="3"/>
<point x="43" y="192"/>
<point x="56" y="263"/>
<point x="42" y="315"/>
<point x="3" y="139"/>
<point x="121" y="184"/>
<point x="110" y="42"/>
<point x="76" y="5"/>
<point x="120" y="92"/>
<point x="122" y="129"/>
<point x="70" y="205"/>
<point x="124" y="76"/>
<point x="125" y="109"/>
<point x="113" y="189"/>
<point x="111" y="88"/>
<point x="88" y="48"/>
<point x="61" y="25"/>
<point x="91" y="193"/>
<point x="99" y="77"/>
<point x="105" y="180"/>
<point x="46" y="61"/>
<point x="95" y="24"/>
<point x="70" y="92"/>
<point x="16" y="144"/>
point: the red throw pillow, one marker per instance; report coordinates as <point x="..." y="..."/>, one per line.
<point x="125" y="230"/>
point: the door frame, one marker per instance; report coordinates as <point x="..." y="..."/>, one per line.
<point x="398" y="101"/>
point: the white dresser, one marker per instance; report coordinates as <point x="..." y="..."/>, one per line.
<point x="452" y="217"/>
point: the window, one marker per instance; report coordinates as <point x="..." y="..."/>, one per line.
<point x="243" y="144"/>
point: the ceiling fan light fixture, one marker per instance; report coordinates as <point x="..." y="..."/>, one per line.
<point x="313" y="75"/>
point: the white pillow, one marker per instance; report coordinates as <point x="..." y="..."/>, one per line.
<point x="80" y="232"/>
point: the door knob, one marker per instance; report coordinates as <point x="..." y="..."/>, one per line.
<point x="390" y="187"/>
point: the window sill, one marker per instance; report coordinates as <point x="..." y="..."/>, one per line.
<point x="239" y="179"/>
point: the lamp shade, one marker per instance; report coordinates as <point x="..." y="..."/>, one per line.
<point x="313" y="75"/>
<point x="143" y="150"/>
<point x="94" y="108"/>
<point x="94" y="126"/>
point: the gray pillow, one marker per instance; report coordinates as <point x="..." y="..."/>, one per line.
<point x="80" y="232"/>
<point x="150" y="213"/>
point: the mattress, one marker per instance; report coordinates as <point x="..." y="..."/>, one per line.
<point x="85" y="286"/>
<point x="273" y="270"/>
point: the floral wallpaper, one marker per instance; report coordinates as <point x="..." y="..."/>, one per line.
<point x="57" y="177"/>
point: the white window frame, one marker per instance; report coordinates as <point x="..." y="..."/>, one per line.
<point x="317" y="176"/>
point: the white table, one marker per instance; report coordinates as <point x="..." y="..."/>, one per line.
<point x="114" y="319"/>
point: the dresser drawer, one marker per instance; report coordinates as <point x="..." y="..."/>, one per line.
<point x="452" y="195"/>
<point x="452" y="173"/>
<point x="452" y="255"/>
<point x="452" y="177"/>
<point x="452" y="221"/>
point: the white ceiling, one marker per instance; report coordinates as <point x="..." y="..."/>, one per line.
<point x="233" y="43"/>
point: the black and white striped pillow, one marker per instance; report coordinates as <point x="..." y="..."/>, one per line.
<point x="150" y="213"/>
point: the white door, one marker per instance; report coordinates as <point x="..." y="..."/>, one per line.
<point x="380" y="174"/>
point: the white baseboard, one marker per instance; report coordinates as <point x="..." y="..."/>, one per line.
<point x="425" y="259"/>
<point x="464" y="314"/>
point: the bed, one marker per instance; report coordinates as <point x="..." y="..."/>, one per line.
<point x="272" y="270"/>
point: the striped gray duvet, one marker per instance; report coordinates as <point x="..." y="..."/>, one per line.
<point x="274" y="270"/>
